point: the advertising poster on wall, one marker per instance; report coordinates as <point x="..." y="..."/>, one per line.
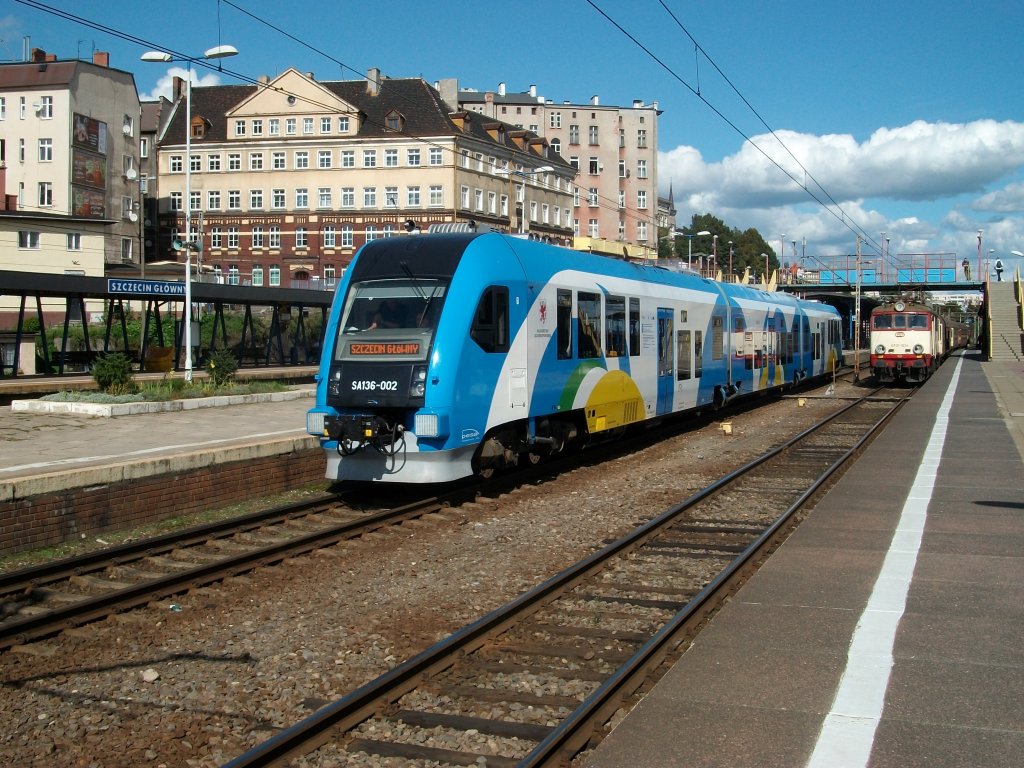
<point x="88" y="167"/>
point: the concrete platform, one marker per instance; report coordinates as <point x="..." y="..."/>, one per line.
<point x="887" y="630"/>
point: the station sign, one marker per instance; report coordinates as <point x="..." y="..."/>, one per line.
<point x="145" y="287"/>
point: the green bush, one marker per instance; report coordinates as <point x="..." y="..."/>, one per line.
<point x="221" y="368"/>
<point x="112" y="373"/>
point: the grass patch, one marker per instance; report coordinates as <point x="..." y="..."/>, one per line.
<point x="169" y="389"/>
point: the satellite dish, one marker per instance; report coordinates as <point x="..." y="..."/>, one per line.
<point x="130" y="174"/>
<point x="133" y="216"/>
<point x="126" y="130"/>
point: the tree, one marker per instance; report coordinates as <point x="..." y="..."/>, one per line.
<point x="747" y="246"/>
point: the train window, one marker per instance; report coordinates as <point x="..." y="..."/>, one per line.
<point x="717" y="340"/>
<point x="698" y="361"/>
<point x="374" y="305"/>
<point x="563" y="317"/>
<point x="634" y="327"/>
<point x="615" y="327"/>
<point x="490" y="321"/>
<point x="737" y="324"/>
<point x="883" y="322"/>
<point x="664" y="344"/>
<point x="918" y="321"/>
<point x="683" y="355"/>
<point x="588" y="324"/>
<point x="899" y="321"/>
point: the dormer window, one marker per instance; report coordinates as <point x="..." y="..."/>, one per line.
<point x="394" y="121"/>
<point x="197" y="130"/>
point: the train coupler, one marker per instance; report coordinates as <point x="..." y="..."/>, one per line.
<point x="356" y="432"/>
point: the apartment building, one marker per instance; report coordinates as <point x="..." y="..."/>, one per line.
<point x="614" y="149"/>
<point x="287" y="178"/>
<point x="69" y="140"/>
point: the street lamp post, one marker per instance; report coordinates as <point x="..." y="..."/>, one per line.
<point x="979" y="254"/>
<point x="218" y="52"/>
<point x="511" y="190"/>
<point x="730" y="260"/>
<point x="689" y="246"/>
<point x="714" y="253"/>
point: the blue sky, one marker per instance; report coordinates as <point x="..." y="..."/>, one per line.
<point x="909" y="115"/>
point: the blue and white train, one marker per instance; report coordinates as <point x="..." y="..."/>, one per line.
<point x="449" y="355"/>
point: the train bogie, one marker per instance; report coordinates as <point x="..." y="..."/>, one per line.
<point x="508" y="350"/>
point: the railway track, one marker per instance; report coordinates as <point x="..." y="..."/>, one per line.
<point x="44" y="600"/>
<point x="536" y="681"/>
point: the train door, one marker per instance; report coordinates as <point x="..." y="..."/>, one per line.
<point x="666" y="379"/>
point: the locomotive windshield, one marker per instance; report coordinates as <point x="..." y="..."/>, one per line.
<point x="386" y="307"/>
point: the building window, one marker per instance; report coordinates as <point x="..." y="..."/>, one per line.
<point x="369" y="197"/>
<point x="555" y="120"/>
<point x="289" y="126"/>
<point x="330" y="275"/>
<point x="622" y="198"/>
<point x="641" y="230"/>
<point x="369" y="158"/>
<point x="234" y="199"/>
<point x="195" y="163"/>
<point x="302" y="159"/>
<point x="274" y="126"/>
<point x="45" y="194"/>
<point x="436" y="193"/>
<point x="492" y="203"/>
<point x="478" y="199"/>
<point x="176" y="164"/>
<point x="347" y="236"/>
<point x="275" y="274"/>
<point x="436" y="158"/>
<point x="277" y="161"/>
<point x="3" y="108"/>
<point x="641" y="138"/>
<point x="195" y="201"/>
<point x="144" y="183"/>
<point x="348" y="197"/>
<point x="239" y="127"/>
<point x="277" y="199"/>
<point x="324" y="197"/>
<point x="641" y="169"/>
<point x="28" y="239"/>
<point x="342" y="125"/>
<point x="307" y="125"/>
<point x="213" y="163"/>
<point x="46" y="108"/>
<point x="213" y="199"/>
<point x="390" y="197"/>
<point x="323" y="158"/>
<point x="275" y="237"/>
<point x="641" y="199"/>
<point x="126" y="249"/>
<point x="257" y="237"/>
<point x="301" y="237"/>
<point x="234" y="161"/>
<point x="74" y="241"/>
<point x="592" y="228"/>
<point x="574" y="134"/>
<point x="592" y="197"/>
<point x="593" y="167"/>
<point x="592" y="135"/>
<point x="556" y="146"/>
<point x="412" y="157"/>
<point x="233" y="274"/>
<point x="325" y="125"/>
<point x="412" y="197"/>
<point x="257" y="275"/>
<point x="215" y="241"/>
<point x="371" y="232"/>
<point x="257" y="129"/>
<point x="533" y="210"/>
<point x="45" y="150"/>
<point x="301" y="197"/>
<point x="233" y="238"/>
<point x="256" y="161"/>
<point x="174" y="201"/>
<point x="464" y="197"/>
<point x="390" y="158"/>
<point x="329" y="236"/>
<point x="348" y="158"/>
<point x="255" y="199"/>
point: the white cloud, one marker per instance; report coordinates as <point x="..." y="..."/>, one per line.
<point x="165" y="85"/>
<point x="1009" y="199"/>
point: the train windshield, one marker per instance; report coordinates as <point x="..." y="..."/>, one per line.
<point x="409" y="305"/>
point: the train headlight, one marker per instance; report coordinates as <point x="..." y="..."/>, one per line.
<point x="918" y="349"/>
<point x="418" y="388"/>
<point x="880" y="349"/>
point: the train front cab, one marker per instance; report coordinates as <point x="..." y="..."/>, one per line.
<point x="906" y="343"/>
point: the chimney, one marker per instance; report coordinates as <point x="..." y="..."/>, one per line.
<point x="501" y="89"/>
<point x="594" y="101"/>
<point x="533" y="91"/>
<point x="637" y="103"/>
<point x="373" y="82"/>
<point x="101" y="58"/>
<point x="177" y="87"/>
<point x="38" y="55"/>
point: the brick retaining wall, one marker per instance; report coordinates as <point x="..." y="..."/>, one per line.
<point x="54" y="518"/>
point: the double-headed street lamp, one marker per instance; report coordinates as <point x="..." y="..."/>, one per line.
<point x="162" y="57"/>
<point x="689" y="245"/>
<point x="523" y="174"/>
